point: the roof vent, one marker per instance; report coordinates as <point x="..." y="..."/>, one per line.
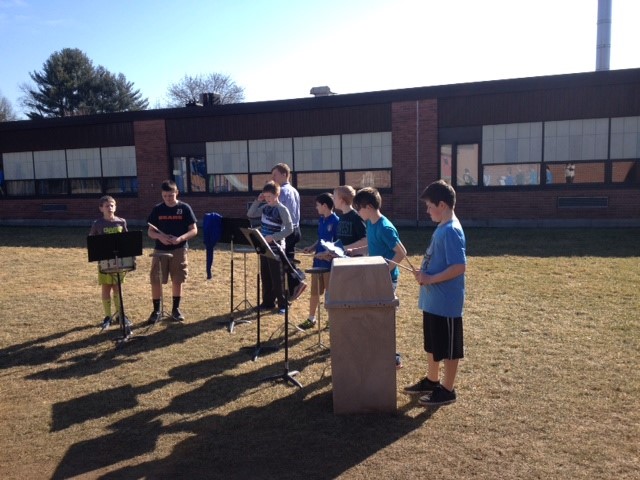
<point x="321" y="91"/>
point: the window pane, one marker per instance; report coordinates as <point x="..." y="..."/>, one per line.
<point x="626" y="172"/>
<point x="227" y="157"/>
<point x="198" y="170"/>
<point x="316" y="153"/>
<point x="265" y="153"/>
<point x="21" y="187"/>
<point x="52" y="187"/>
<point x="583" y="173"/>
<point x="119" y="161"/>
<point x="50" y="164"/>
<point x="18" y="166"/>
<point x="121" y="185"/>
<point x="445" y="163"/>
<point x="376" y="178"/>
<point x="366" y="150"/>
<point x="509" y="175"/>
<point x="229" y="183"/>
<point x="467" y="163"/>
<point x="318" y="181"/>
<point x="258" y="181"/>
<point x="180" y="173"/>
<point x="85" y="185"/>
<point x="84" y="163"/>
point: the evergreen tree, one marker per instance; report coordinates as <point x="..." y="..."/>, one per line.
<point x="70" y="85"/>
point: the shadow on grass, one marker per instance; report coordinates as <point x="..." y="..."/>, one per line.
<point x="292" y="437"/>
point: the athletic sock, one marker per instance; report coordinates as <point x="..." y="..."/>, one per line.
<point x="176" y="302"/>
<point x="156" y="305"/>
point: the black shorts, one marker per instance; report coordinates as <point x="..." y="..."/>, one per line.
<point x="442" y="336"/>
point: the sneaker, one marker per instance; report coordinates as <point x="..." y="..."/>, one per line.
<point x="301" y="287"/>
<point x="266" y="308"/>
<point x="106" y="323"/>
<point x="176" y="314"/>
<point x="307" y="324"/>
<point x="399" y="364"/>
<point x="154" y="318"/>
<point x="440" y="396"/>
<point x="281" y="311"/>
<point x="423" y="386"/>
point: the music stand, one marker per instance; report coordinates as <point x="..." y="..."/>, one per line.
<point x="232" y="235"/>
<point x="116" y="247"/>
<point x="261" y="247"/>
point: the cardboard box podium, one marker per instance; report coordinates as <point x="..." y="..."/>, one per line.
<point x="362" y="313"/>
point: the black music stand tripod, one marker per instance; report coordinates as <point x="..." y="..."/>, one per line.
<point x="232" y="234"/>
<point x="263" y="248"/>
<point x="258" y="347"/>
<point x="115" y="247"/>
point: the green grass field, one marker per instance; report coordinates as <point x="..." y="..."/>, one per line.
<point x="549" y="387"/>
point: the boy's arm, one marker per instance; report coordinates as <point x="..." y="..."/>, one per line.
<point x="449" y="273"/>
<point x="357" y="248"/>
<point x="400" y="253"/>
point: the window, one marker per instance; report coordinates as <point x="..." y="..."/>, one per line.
<point x="625" y="138"/>
<point x="576" y="140"/>
<point x="19" y="174"/>
<point x="626" y="172"/>
<point x="508" y="175"/>
<point x="467" y="165"/>
<point x="446" y="161"/>
<point x="379" y="179"/>
<point x="73" y="171"/>
<point x="264" y="154"/>
<point x="512" y="143"/>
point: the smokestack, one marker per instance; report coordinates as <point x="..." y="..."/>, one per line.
<point x="603" y="47"/>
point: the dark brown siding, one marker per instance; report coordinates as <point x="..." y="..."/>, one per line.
<point x="299" y="123"/>
<point x="67" y="137"/>
<point x="540" y="105"/>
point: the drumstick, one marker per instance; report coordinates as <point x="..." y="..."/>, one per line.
<point x="409" y="262"/>
<point x="401" y="266"/>
<point x="155" y="228"/>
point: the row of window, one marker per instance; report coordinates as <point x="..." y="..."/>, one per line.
<point x="598" y="150"/>
<point x="319" y="163"/>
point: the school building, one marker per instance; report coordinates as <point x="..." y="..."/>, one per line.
<point x="561" y="150"/>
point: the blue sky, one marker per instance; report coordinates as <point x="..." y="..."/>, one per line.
<point x="279" y="49"/>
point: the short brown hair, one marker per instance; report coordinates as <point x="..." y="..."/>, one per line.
<point x="169" y="186"/>
<point x="271" y="187"/>
<point x="367" y="196"/>
<point x="439" y="191"/>
<point x="106" y="198"/>
<point x="283" y="168"/>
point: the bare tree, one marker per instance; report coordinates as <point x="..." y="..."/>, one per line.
<point x="7" y="114"/>
<point x="188" y="89"/>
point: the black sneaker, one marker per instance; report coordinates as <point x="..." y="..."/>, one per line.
<point x="154" y="318"/>
<point x="176" y="314"/>
<point x="423" y="386"/>
<point x="440" y="396"/>
<point x="266" y="308"/>
<point x="106" y="323"/>
<point x="307" y="324"/>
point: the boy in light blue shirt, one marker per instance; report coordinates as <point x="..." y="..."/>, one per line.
<point x="442" y="290"/>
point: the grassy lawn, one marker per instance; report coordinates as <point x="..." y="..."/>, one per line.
<point x="549" y="388"/>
